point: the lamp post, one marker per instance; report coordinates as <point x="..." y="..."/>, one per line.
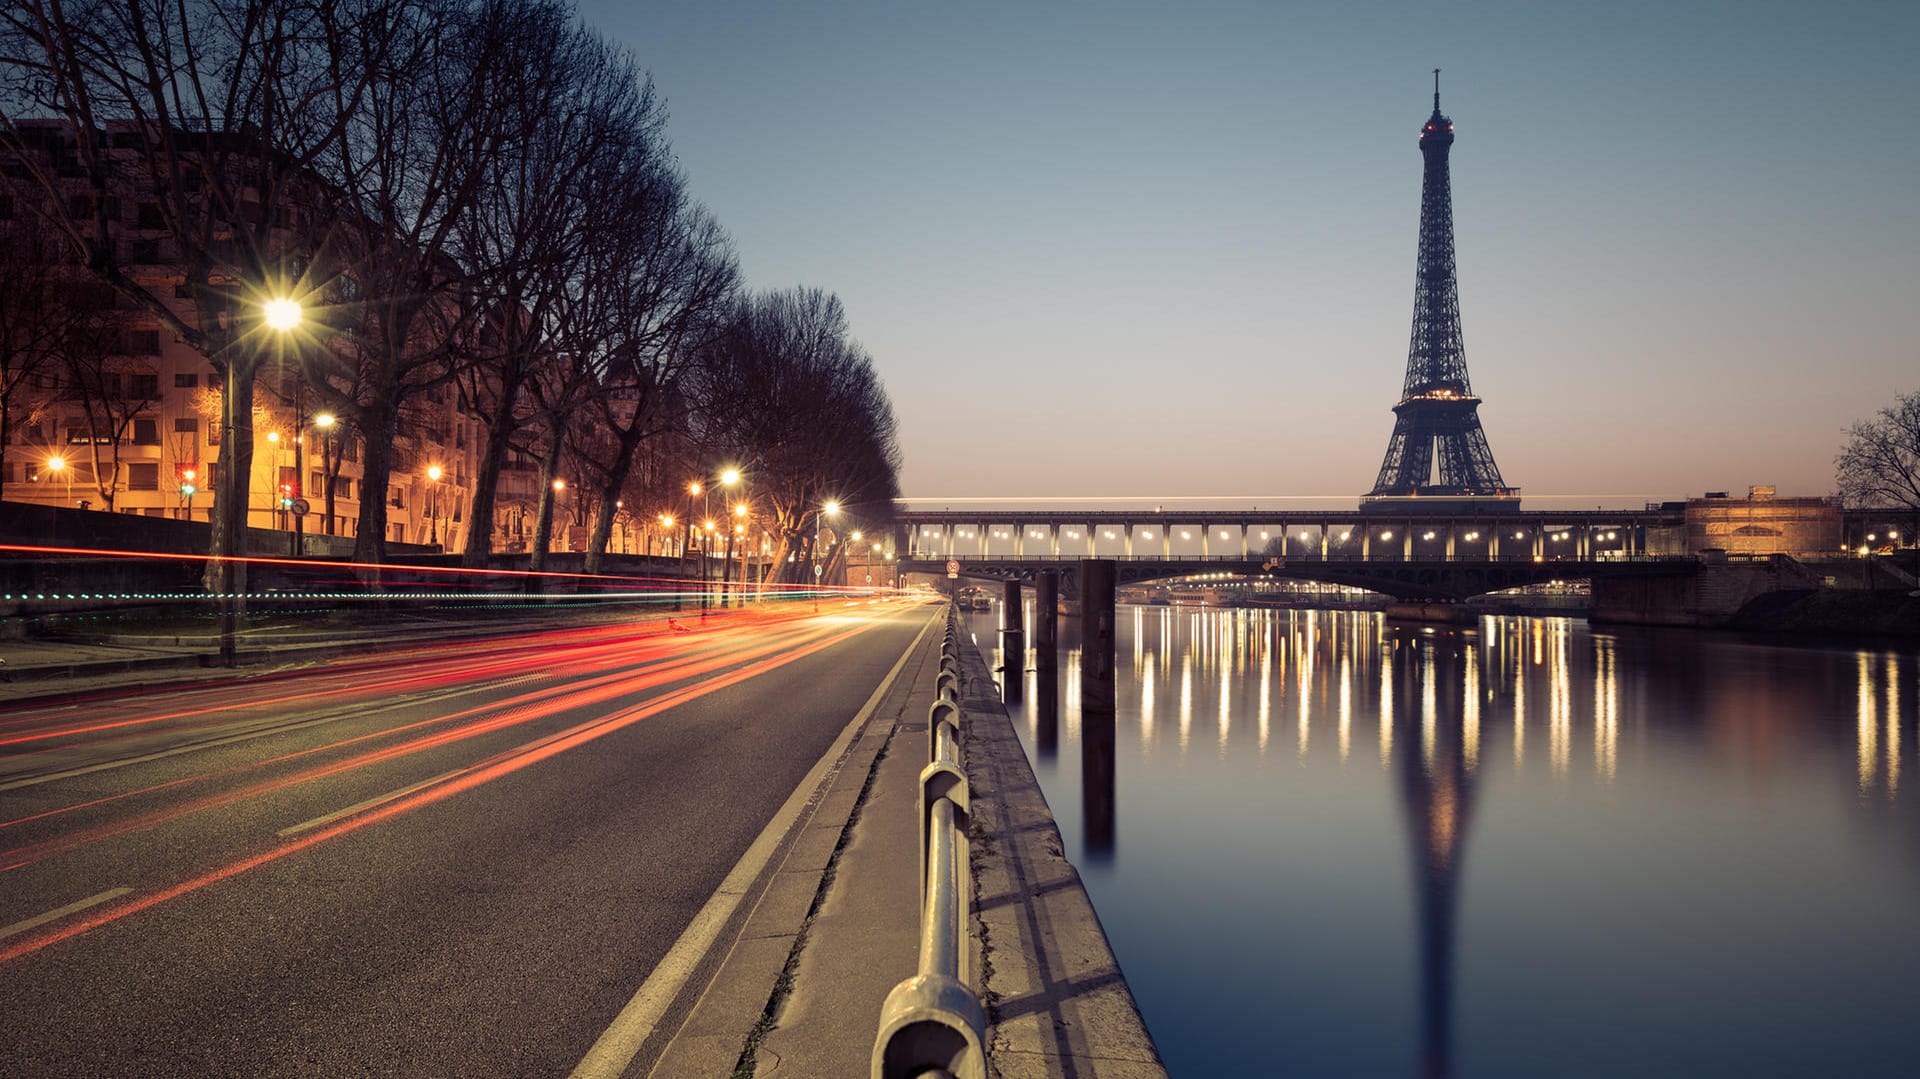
<point x="282" y="316"/>
<point x="831" y="509"/>
<point x="729" y="478"/>
<point x="324" y="422"/>
<point x="434" y="473"/>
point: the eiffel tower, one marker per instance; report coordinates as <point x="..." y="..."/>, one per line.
<point x="1437" y="407"/>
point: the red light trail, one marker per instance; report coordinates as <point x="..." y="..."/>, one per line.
<point x="575" y="669"/>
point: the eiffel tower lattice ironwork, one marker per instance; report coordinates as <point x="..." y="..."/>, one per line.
<point x="1438" y="415"/>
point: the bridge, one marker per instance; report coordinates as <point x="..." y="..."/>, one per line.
<point x="1410" y="554"/>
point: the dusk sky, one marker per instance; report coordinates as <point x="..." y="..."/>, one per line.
<point x="1146" y="251"/>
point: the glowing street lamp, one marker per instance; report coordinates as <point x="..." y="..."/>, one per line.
<point x="831" y="509"/>
<point x="282" y="313"/>
<point x="325" y="421"/>
<point x="434" y="473"/>
<point x="58" y="466"/>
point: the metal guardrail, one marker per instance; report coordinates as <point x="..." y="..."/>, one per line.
<point x="932" y="1026"/>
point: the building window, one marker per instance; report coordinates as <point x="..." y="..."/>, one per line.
<point x="188" y="425"/>
<point x="209" y="475"/>
<point x="143" y="476"/>
<point x="150" y="216"/>
<point x="146" y="432"/>
<point x="144" y="342"/>
<point x="186" y="382"/>
<point x="144" y="387"/>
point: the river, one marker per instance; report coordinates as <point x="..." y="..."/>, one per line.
<point x="1326" y="844"/>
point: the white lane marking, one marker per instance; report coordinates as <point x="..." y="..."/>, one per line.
<point x="618" y="1044"/>
<point x="71" y="908"/>
<point x="378" y="799"/>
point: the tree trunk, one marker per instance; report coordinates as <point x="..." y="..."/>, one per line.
<point x="543" y="518"/>
<point x="610" y="496"/>
<point x="486" y="485"/>
<point x="370" y="544"/>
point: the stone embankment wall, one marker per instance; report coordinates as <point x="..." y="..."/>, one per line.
<point x="1710" y="598"/>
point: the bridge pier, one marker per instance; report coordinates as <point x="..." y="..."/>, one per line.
<point x="1046" y="659"/>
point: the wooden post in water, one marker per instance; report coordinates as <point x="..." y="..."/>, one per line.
<point x="1097" y="655"/>
<point x="1013" y="646"/>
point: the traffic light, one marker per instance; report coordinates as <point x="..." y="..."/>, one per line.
<point x="286" y="496"/>
<point x="188" y="477"/>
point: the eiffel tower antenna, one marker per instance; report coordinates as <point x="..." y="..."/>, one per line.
<point x="1437" y="409"/>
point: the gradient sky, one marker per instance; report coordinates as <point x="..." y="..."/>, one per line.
<point x="1160" y="250"/>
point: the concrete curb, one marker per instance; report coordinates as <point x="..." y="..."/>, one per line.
<point x="1057" y="1001"/>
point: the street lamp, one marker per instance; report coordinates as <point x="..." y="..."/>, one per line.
<point x="730" y="477"/>
<point x="58" y="466"/>
<point x="559" y="486"/>
<point x="283" y="315"/>
<point x="324" y="422"/>
<point x="831" y="509"/>
<point x="434" y="473"/>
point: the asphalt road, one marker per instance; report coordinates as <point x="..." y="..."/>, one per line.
<point x="449" y="859"/>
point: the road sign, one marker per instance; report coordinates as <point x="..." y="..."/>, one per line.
<point x="818" y="570"/>
<point x="953" y="567"/>
<point x="299" y="507"/>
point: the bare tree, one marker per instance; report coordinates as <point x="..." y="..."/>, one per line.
<point x="788" y="391"/>
<point x="210" y="116"/>
<point x="1880" y="464"/>
<point x="581" y="101"/>
<point x="662" y="278"/>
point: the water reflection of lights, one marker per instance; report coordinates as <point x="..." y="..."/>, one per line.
<point x="1226" y="706"/>
<point x="1429" y="708"/>
<point x="1878" y="723"/>
<point x="1470" y="712"/>
<point x="1559" y="701"/>
<point x="1266" y="695"/>
<point x="1346" y="706"/>
<point x="1868" y="725"/>
<point x="1146" y="707"/>
<point x="1310" y="635"/>
<point x="1186" y="699"/>
<point x="1386" y="713"/>
<point x="1519" y="716"/>
<point x="1606" y="709"/>
<point x="1893" y="725"/>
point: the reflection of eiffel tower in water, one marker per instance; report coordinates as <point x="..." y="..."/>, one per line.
<point x="1436" y="793"/>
